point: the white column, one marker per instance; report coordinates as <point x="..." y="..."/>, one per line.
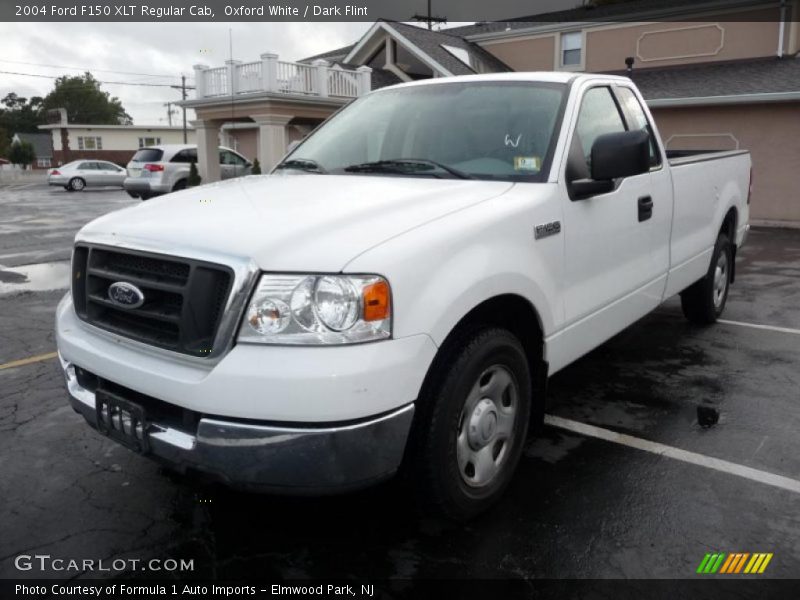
<point x="269" y="71"/>
<point x="364" y="80"/>
<point x="321" y="77"/>
<point x="272" y="139"/>
<point x="233" y="76"/>
<point x="200" y="80"/>
<point x="207" y="135"/>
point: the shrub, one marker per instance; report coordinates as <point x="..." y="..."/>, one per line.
<point x="194" y="176"/>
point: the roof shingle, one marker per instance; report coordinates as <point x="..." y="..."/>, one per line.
<point x="760" y="76"/>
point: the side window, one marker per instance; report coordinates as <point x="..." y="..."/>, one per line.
<point x="188" y="155"/>
<point x="638" y="120"/>
<point x="226" y="157"/>
<point x="87" y="166"/>
<point x="181" y="157"/>
<point x="598" y="115"/>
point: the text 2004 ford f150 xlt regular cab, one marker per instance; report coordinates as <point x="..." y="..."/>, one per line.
<point x="395" y="294"/>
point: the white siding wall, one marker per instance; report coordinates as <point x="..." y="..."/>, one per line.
<point x="121" y="139"/>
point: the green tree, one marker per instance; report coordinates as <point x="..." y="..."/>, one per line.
<point x="20" y="115"/>
<point x="21" y="153"/>
<point x="5" y="141"/>
<point x="194" y="177"/>
<point x="85" y="102"/>
<point x="256" y="170"/>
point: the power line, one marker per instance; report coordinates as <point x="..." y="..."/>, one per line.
<point x="103" y="82"/>
<point x="22" y="62"/>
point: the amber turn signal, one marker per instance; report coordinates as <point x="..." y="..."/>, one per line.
<point x="376" y="301"/>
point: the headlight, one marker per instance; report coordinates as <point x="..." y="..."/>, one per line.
<point x="318" y="310"/>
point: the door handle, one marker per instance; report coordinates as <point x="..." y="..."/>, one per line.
<point x="645" y="208"/>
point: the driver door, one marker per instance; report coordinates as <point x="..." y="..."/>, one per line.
<point x="608" y="269"/>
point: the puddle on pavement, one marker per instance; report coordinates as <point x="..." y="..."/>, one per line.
<point x="40" y="277"/>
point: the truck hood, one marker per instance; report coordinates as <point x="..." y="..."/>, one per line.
<point x="302" y="222"/>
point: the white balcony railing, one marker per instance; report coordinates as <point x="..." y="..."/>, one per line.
<point x="272" y="75"/>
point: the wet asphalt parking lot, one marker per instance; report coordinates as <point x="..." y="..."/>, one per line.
<point x="648" y="504"/>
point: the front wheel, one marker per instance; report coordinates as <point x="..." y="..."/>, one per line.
<point x="704" y="301"/>
<point x="472" y="423"/>
<point x="132" y="194"/>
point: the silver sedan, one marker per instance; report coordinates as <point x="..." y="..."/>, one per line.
<point x="79" y="174"/>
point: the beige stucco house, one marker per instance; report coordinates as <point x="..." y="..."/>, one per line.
<point x="717" y="75"/>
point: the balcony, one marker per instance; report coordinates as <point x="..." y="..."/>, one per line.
<point x="270" y="75"/>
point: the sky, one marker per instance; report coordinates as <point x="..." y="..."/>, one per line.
<point x="157" y="53"/>
<point x="134" y="52"/>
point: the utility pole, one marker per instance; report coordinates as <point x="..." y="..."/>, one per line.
<point x="182" y="87"/>
<point x="429" y="18"/>
<point x="169" y="112"/>
<point x="183" y="97"/>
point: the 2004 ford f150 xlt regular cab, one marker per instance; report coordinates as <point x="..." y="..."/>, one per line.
<point x="396" y="293"/>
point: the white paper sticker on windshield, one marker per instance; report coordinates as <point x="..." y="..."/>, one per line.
<point x="527" y="163"/>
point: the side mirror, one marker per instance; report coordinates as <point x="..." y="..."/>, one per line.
<point x="614" y="156"/>
<point x="617" y="155"/>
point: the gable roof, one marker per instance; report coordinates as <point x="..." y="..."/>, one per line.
<point x="331" y="55"/>
<point x="428" y="47"/>
<point x="41" y="142"/>
<point x="430" y="42"/>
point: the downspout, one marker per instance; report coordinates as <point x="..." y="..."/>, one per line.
<point x="782" y="30"/>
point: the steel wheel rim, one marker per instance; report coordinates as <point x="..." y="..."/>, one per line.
<point x="486" y="426"/>
<point x="77" y="184"/>
<point x="720" y="279"/>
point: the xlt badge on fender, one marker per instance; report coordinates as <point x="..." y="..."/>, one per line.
<point x="546" y="229"/>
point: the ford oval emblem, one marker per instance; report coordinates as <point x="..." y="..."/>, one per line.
<point x="125" y="295"/>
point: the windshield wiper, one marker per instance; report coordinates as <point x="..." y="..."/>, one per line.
<point x="302" y="164"/>
<point x="404" y="165"/>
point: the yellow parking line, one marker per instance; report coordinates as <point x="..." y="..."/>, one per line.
<point x="27" y="361"/>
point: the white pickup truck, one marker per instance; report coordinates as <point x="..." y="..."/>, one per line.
<point x="395" y="294"/>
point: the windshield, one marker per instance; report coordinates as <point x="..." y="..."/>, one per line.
<point x="483" y="130"/>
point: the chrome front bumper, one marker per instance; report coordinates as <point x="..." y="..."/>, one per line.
<point x="268" y="457"/>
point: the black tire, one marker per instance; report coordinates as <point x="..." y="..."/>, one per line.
<point x="145" y="196"/>
<point x="179" y="185"/>
<point x="77" y="184"/>
<point x="132" y="194"/>
<point x="441" y="444"/>
<point x="704" y="301"/>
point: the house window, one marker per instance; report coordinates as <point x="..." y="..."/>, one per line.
<point x="43" y="163"/>
<point x="149" y="141"/>
<point x="90" y="143"/>
<point x="571" y="49"/>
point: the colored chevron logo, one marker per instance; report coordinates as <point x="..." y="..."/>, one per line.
<point x="737" y="563"/>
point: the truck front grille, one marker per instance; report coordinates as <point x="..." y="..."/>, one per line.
<point x="183" y="298"/>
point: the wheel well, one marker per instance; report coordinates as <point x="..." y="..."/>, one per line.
<point x="510" y="312"/>
<point x="517" y="315"/>
<point x="729" y="229"/>
<point x="729" y="225"/>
